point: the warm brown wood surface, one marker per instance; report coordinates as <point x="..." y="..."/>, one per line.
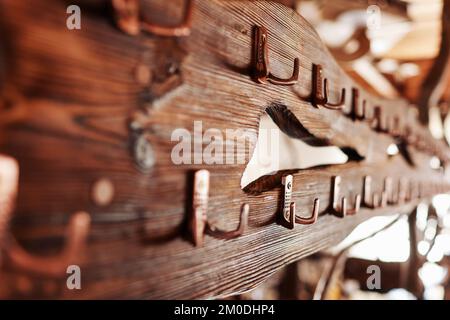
<point x="73" y="100"/>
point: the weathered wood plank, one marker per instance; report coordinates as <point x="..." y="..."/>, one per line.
<point x="75" y="94"/>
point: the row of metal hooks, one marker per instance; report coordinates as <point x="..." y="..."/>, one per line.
<point x="319" y="96"/>
<point x="129" y="19"/>
<point x="406" y="191"/>
<point x="79" y="224"/>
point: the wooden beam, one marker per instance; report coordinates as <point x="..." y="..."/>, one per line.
<point x="105" y="102"/>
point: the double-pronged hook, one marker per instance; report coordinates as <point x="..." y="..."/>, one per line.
<point x="262" y="72"/>
<point x="76" y="234"/>
<point x="373" y="200"/>
<point x="339" y="205"/>
<point x="289" y="215"/>
<point x="320" y="92"/>
<point x="129" y="20"/>
<point x="199" y="220"/>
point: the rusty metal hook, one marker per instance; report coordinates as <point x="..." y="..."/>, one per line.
<point x="374" y="200"/>
<point x="421" y="191"/>
<point x="129" y="20"/>
<point x="320" y="92"/>
<point x="413" y="190"/>
<point x="199" y="220"/>
<point x="262" y="72"/>
<point x="401" y="194"/>
<point x="358" y="112"/>
<point x="395" y="128"/>
<point x="339" y="206"/>
<point x="378" y="122"/>
<point x="289" y="213"/>
<point x="397" y="196"/>
<point x="389" y="191"/>
<point x="243" y="223"/>
<point x="9" y="179"/>
<point x="293" y="218"/>
<point x="76" y="235"/>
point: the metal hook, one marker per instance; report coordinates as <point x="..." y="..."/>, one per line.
<point x="357" y="112"/>
<point x="421" y="192"/>
<point x="129" y="20"/>
<point x="9" y="179"/>
<point x="339" y="208"/>
<point x="261" y="59"/>
<point x="199" y="221"/>
<point x="396" y="197"/>
<point x="293" y="218"/>
<point x="243" y="223"/>
<point x="320" y="92"/>
<point x="378" y="122"/>
<point x="395" y="128"/>
<point x="76" y="235"/>
<point x="414" y="190"/>
<point x="289" y="213"/>
<point x="374" y="200"/>
<point x="389" y="191"/>
<point x="401" y="192"/>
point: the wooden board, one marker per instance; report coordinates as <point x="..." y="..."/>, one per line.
<point x="76" y="109"/>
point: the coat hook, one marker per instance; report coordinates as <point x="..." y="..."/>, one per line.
<point x="199" y="221"/>
<point x="9" y="179"/>
<point x="339" y="206"/>
<point x="289" y="213"/>
<point x="421" y="193"/>
<point x="374" y="200"/>
<point x="261" y="59"/>
<point x="300" y="220"/>
<point x="394" y="128"/>
<point x="411" y="190"/>
<point x="402" y="190"/>
<point x="396" y="196"/>
<point x="379" y="123"/>
<point x="76" y="235"/>
<point x="243" y="223"/>
<point x="319" y="96"/>
<point x="130" y="21"/>
<point x="389" y="190"/>
<point x="358" y="112"/>
<point x="414" y="191"/>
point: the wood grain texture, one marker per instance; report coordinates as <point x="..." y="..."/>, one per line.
<point x="73" y="103"/>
